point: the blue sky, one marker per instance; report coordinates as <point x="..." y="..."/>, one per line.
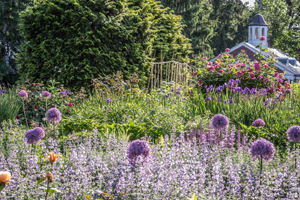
<point x="251" y="2"/>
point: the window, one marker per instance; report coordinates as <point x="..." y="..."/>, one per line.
<point x="256" y="33"/>
<point x="250" y="33"/>
<point x="263" y="32"/>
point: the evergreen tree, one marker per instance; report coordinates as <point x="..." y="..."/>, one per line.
<point x="75" y="41"/>
<point x="10" y="38"/>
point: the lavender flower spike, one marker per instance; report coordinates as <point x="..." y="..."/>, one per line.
<point x="258" y="123"/>
<point x="53" y="115"/>
<point x="219" y="121"/>
<point x="262" y="149"/>
<point x="138" y="148"/>
<point x="293" y="133"/>
<point x="33" y="136"/>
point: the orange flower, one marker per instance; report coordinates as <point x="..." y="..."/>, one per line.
<point x="49" y="176"/>
<point x="52" y="158"/>
<point x="5" y="177"/>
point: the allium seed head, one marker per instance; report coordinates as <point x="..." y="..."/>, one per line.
<point x="53" y="115"/>
<point x="293" y="133"/>
<point x="138" y="148"/>
<point x="46" y="94"/>
<point x="262" y="149"/>
<point x="23" y="94"/>
<point x="219" y="121"/>
<point x="258" y="123"/>
<point x="33" y="136"/>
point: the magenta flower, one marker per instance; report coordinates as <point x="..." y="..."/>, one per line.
<point x="252" y="76"/>
<point x="227" y="49"/>
<point x="220" y="71"/>
<point x="138" y="148"/>
<point x="293" y="133"/>
<point x="256" y="66"/>
<point x="209" y="63"/>
<point x="23" y="94"/>
<point x="204" y="58"/>
<point x="262" y="38"/>
<point x="260" y="77"/>
<point x="262" y="149"/>
<point x="276" y="74"/>
<point x="265" y="65"/>
<point x="53" y="115"/>
<point x="46" y="94"/>
<point x="194" y="73"/>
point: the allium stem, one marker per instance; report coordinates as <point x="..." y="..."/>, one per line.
<point x="25" y="113"/>
<point x="261" y="165"/>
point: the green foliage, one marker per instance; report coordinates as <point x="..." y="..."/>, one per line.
<point x="10" y="38"/>
<point x="9" y="105"/>
<point x="75" y="41"/>
<point x="36" y="106"/>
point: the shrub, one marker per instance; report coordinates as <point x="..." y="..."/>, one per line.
<point x="75" y="41"/>
<point x="252" y="74"/>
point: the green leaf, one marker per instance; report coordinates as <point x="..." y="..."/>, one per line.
<point x="40" y="180"/>
<point x="2" y="186"/>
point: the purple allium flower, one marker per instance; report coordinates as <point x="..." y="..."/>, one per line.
<point x="219" y="121"/>
<point x="172" y="89"/>
<point x="179" y="88"/>
<point x="138" y="148"/>
<point x="33" y="136"/>
<point x="293" y="133"/>
<point x="62" y="93"/>
<point x="168" y="95"/>
<point x="258" y="123"/>
<point x="46" y="94"/>
<point x="53" y="115"/>
<point x="108" y="100"/>
<point x="178" y="92"/>
<point x="184" y="98"/>
<point x="23" y="94"/>
<point x="262" y="148"/>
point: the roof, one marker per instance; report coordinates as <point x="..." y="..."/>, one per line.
<point x="293" y="69"/>
<point x="258" y="20"/>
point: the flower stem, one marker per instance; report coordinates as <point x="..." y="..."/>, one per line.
<point x="25" y="113"/>
<point x="261" y="165"/>
<point x="47" y="191"/>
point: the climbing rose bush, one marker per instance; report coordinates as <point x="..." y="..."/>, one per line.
<point x="252" y="74"/>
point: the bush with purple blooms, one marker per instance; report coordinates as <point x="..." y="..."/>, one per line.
<point x="93" y="167"/>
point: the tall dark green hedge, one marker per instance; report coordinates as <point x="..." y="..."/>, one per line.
<point x="74" y="41"/>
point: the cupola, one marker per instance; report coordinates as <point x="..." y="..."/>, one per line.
<point x="257" y="28"/>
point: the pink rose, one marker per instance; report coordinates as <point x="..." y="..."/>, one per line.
<point x="200" y="83"/>
<point x="265" y="65"/>
<point x="252" y="76"/>
<point x="209" y="63"/>
<point x="280" y="80"/>
<point x="204" y="58"/>
<point x="262" y="38"/>
<point x="256" y="66"/>
<point x="220" y="55"/>
<point x="276" y="74"/>
<point x="220" y="71"/>
<point x="260" y="77"/>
